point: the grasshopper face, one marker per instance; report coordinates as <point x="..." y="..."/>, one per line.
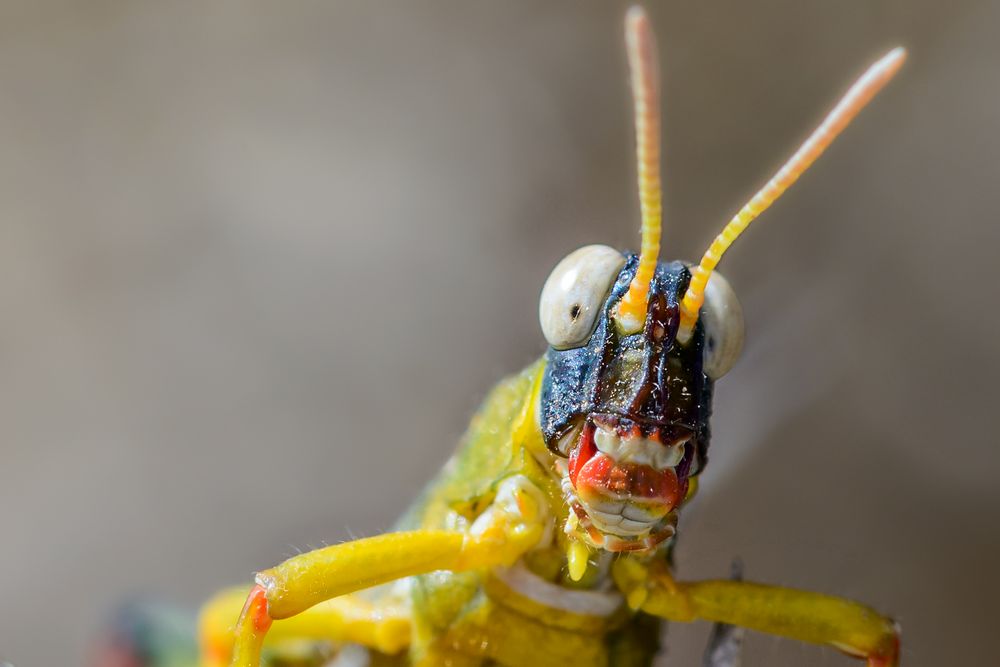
<point x="635" y="345"/>
<point x="626" y="414"/>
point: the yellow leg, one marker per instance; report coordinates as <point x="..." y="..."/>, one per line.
<point x="511" y="526"/>
<point x="810" y="617"/>
<point x="384" y="627"/>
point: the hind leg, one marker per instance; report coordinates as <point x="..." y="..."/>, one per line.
<point x="382" y="625"/>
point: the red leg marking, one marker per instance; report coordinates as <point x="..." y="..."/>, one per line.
<point x="889" y="658"/>
<point x="256" y="609"/>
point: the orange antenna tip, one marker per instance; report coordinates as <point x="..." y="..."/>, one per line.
<point x="641" y="48"/>
<point x="859" y="95"/>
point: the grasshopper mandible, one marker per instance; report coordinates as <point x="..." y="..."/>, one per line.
<point x="546" y="538"/>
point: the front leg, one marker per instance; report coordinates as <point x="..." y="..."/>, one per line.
<point x="512" y="525"/>
<point x="853" y="628"/>
<point x="383" y="625"/>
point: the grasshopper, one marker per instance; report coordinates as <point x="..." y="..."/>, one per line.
<point x="546" y="539"/>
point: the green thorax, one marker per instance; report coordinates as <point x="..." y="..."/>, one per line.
<point x="479" y="614"/>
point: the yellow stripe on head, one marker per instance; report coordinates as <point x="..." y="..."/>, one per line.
<point x="641" y="47"/>
<point x="863" y="90"/>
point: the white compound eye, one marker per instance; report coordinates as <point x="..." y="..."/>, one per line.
<point x="574" y="293"/>
<point x="722" y="316"/>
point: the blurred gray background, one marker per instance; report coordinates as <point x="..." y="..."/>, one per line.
<point x="260" y="261"/>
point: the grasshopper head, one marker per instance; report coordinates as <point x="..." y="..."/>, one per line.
<point x="626" y="412"/>
<point x="627" y="390"/>
<point x="635" y="345"/>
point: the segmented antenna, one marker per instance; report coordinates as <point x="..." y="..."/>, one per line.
<point x="641" y="47"/>
<point x="863" y="90"/>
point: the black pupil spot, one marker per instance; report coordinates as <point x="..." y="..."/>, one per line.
<point x="574" y="312"/>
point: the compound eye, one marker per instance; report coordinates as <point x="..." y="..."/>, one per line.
<point x="722" y="316"/>
<point x="574" y="293"/>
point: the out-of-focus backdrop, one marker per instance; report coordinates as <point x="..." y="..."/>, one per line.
<point x="260" y="261"/>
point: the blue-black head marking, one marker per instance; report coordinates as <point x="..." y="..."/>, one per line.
<point x="647" y="380"/>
